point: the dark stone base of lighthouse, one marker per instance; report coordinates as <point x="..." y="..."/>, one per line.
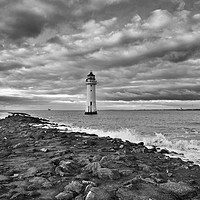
<point x="91" y="113"/>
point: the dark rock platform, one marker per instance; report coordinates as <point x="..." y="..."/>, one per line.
<point x="49" y="164"/>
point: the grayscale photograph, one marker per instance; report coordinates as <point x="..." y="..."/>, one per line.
<point x="99" y="99"/>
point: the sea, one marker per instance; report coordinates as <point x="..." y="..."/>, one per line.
<point x="175" y="130"/>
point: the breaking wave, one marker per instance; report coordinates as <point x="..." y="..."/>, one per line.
<point x="188" y="150"/>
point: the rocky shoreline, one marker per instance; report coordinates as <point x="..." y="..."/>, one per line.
<point x="49" y="164"/>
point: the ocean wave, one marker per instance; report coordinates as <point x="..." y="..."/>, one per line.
<point x="186" y="149"/>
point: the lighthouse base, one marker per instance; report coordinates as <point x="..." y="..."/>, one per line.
<point x="91" y="113"/>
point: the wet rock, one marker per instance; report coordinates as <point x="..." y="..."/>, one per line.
<point x="144" y="167"/>
<point x="96" y="158"/>
<point x="147" y="192"/>
<point x="92" y="167"/>
<point x="79" y="197"/>
<point x="74" y="187"/>
<point x="158" y="177"/>
<point x="164" y="151"/>
<point x="140" y="144"/>
<point x="182" y="189"/>
<point x="105" y="159"/>
<point x="4" y="178"/>
<point x="65" y="164"/>
<point x="31" y="172"/>
<point x="55" y="160"/>
<point x="83" y="176"/>
<point x="82" y="161"/>
<point x="59" y="171"/>
<point x="19" y="196"/>
<point x="125" y="172"/>
<point x="96" y="193"/>
<point x="139" y="149"/>
<point x="105" y="173"/>
<point x="152" y="149"/>
<point x="40" y="182"/>
<point x="88" y="185"/>
<point x="20" y="145"/>
<point x="143" y="188"/>
<point x="64" y="196"/>
<point x="96" y="169"/>
<point x="44" y="150"/>
<point x="66" y="168"/>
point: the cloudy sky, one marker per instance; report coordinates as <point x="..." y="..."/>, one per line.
<point x="144" y="53"/>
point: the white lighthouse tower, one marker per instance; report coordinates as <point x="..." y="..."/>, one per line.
<point x="91" y="95"/>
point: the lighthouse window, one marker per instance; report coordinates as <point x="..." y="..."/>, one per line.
<point x="91" y="103"/>
<point x="91" y="90"/>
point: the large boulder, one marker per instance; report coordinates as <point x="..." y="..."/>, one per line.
<point x="143" y="189"/>
<point x="97" y="193"/>
<point x="101" y="172"/>
<point x="75" y="187"/>
<point x="182" y="189"/>
<point x="64" y="196"/>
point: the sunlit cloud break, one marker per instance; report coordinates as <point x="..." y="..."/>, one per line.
<point x="145" y="55"/>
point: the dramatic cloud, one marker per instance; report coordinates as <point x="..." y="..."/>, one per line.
<point x="144" y="53"/>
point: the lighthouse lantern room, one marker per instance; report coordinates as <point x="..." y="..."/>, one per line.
<point x="91" y="95"/>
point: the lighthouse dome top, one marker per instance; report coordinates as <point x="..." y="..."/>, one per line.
<point x="91" y="74"/>
<point x="91" y="79"/>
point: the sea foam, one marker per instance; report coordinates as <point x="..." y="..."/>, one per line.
<point x="188" y="150"/>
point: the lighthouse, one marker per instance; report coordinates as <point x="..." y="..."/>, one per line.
<point x="91" y="95"/>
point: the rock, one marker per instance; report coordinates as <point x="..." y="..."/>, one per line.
<point x="115" y="174"/>
<point x="18" y="196"/>
<point x="40" y="182"/>
<point x="44" y="150"/>
<point x="143" y="190"/>
<point x="65" y="168"/>
<point x="98" y="171"/>
<point x="65" y="164"/>
<point x="91" y="196"/>
<point x="138" y="149"/>
<point x="4" y="178"/>
<point x="89" y="185"/>
<point x="79" y="197"/>
<point x="125" y="172"/>
<point x="64" y="196"/>
<point x="140" y="144"/>
<point x="153" y="149"/>
<point x="55" y="160"/>
<point x="31" y="172"/>
<point x="71" y="190"/>
<point x="92" y="167"/>
<point x="20" y="145"/>
<point x="105" y="173"/>
<point x="34" y="194"/>
<point x="74" y="186"/>
<point x="182" y="189"/>
<point x="96" y="158"/>
<point x="83" y="176"/>
<point x="144" y="167"/>
<point x="96" y="193"/>
<point x="82" y="161"/>
<point x="59" y="171"/>
<point x="105" y="159"/>
<point x="164" y="151"/>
